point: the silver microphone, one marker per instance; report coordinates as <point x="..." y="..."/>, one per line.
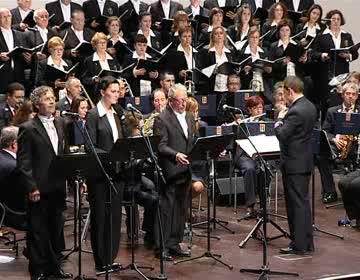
<point x="130" y="107"/>
<point x="228" y="108"/>
<point x="66" y="113"/>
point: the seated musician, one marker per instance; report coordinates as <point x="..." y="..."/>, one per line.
<point x="140" y="81"/>
<point x="340" y="144"/>
<point x="247" y="166"/>
<point x="144" y="189"/>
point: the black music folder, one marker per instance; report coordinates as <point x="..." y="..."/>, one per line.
<point x="122" y="48"/>
<point x="53" y="74"/>
<point x="261" y="14"/>
<point x="295" y="16"/>
<point x="84" y="48"/>
<point x="101" y="20"/>
<point x="210" y="146"/>
<point x="207" y="105"/>
<point x="228" y="68"/>
<point x="155" y="54"/>
<point x="20" y="50"/>
<point x="294" y="51"/>
<point x="29" y="19"/>
<point x="142" y="103"/>
<point x="65" y="25"/>
<point x="352" y="48"/>
<point x="200" y="19"/>
<point x="114" y="73"/>
<point x="228" y="20"/>
<point x="347" y="123"/>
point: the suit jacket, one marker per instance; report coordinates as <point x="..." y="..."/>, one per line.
<point x="266" y="4"/>
<point x="209" y="4"/>
<point x="157" y="12"/>
<point x="172" y="141"/>
<point x="54" y="8"/>
<point x="203" y="11"/>
<point x="35" y="155"/>
<point x="6" y="115"/>
<point x="7" y="166"/>
<point x="16" y="18"/>
<point x="295" y="134"/>
<point x="41" y="78"/>
<point x="131" y="18"/>
<point x="92" y="10"/>
<point x="156" y="41"/>
<point x="71" y="41"/>
<point x="63" y="104"/>
<point x="304" y="5"/>
<point x="12" y="72"/>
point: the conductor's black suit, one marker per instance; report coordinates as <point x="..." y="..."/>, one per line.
<point x="294" y="133"/>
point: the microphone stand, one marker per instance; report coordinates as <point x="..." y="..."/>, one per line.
<point x="264" y="270"/>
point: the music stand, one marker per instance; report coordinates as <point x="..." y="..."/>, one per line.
<point x="209" y="148"/>
<point x="76" y="167"/>
<point x="136" y="148"/>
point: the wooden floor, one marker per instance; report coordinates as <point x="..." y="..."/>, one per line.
<point x="332" y="256"/>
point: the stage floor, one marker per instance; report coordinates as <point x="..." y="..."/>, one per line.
<point x="332" y="256"/>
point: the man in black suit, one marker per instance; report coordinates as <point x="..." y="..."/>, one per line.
<point x="73" y="90"/>
<point x="40" y="140"/>
<point x="209" y="4"/>
<point x="175" y="127"/>
<point x="95" y="8"/>
<point x="164" y="9"/>
<point x="19" y="14"/>
<point x="61" y="11"/>
<point x="129" y="15"/>
<point x="195" y="9"/>
<point x="11" y="68"/>
<point x="298" y="6"/>
<point x="294" y="130"/>
<point x="265" y="4"/>
<point x="350" y="94"/>
<point x="14" y="97"/>
<point x="75" y="34"/>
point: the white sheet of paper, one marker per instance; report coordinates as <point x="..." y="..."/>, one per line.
<point x="263" y="143"/>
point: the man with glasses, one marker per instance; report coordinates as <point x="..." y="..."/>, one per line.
<point x="294" y="130"/>
<point x="175" y="127"/>
<point x="350" y="94"/>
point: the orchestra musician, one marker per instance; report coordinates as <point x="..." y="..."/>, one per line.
<point x="40" y="140"/>
<point x="339" y="143"/>
<point x="175" y="127"/>
<point x="294" y="130"/>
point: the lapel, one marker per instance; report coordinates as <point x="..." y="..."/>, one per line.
<point x="60" y="133"/>
<point x="16" y="39"/>
<point x="190" y="132"/>
<point x="160" y="9"/>
<point x="172" y="9"/>
<point x="41" y="130"/>
<point x="17" y="15"/>
<point x="107" y="124"/>
<point x="3" y="46"/>
<point x="71" y="38"/>
<point x="97" y="8"/>
<point x="59" y="11"/>
<point x="329" y="41"/>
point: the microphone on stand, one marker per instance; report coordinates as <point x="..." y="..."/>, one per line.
<point x="228" y="108"/>
<point x="131" y="108"/>
<point x="66" y="113"/>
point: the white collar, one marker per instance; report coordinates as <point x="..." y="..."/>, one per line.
<point x="45" y="119"/>
<point x="166" y="4"/>
<point x="291" y="41"/>
<point x="62" y="4"/>
<point x="274" y="23"/>
<point x="248" y="50"/>
<point x="135" y="55"/>
<point x="97" y="58"/>
<point x="210" y="28"/>
<point x="11" y="153"/>
<point x="42" y="29"/>
<point x="225" y="50"/>
<point x="181" y="49"/>
<point x="352" y="108"/>
<point x="76" y="31"/>
<point x="317" y="26"/>
<point x="152" y="34"/>
<point x="6" y="30"/>
<point x="328" y="31"/>
<point x="177" y="114"/>
<point x="101" y="109"/>
<point x="50" y="62"/>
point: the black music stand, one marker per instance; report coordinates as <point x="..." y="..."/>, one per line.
<point x="136" y="148"/>
<point x="209" y="148"/>
<point x="76" y="167"/>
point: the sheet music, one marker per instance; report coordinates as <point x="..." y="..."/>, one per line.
<point x="264" y="144"/>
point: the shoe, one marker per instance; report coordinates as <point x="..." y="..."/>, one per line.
<point x="40" y="276"/>
<point x="166" y="256"/>
<point x="61" y="274"/>
<point x="114" y="266"/>
<point x="250" y="215"/>
<point x="293" y="251"/>
<point x="330" y="197"/>
<point x="177" y="251"/>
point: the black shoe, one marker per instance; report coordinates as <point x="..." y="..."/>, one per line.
<point x="330" y="197"/>
<point x="250" y="215"/>
<point x="293" y="251"/>
<point x="114" y="266"/>
<point x="166" y="256"/>
<point x="177" y="251"/>
<point x="61" y="274"/>
<point x="40" y="276"/>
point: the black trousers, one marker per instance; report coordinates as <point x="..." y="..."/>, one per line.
<point x="296" y="190"/>
<point x="45" y="235"/>
<point x="325" y="166"/>
<point x="174" y="199"/>
<point x="349" y="187"/>
<point x="100" y="236"/>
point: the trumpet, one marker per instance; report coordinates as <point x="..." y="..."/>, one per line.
<point x="257" y="83"/>
<point x="128" y="88"/>
<point x="189" y="84"/>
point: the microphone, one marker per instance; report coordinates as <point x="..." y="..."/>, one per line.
<point x="66" y="113"/>
<point x="228" y="108"/>
<point x="130" y="107"/>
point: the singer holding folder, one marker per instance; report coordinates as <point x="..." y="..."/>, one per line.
<point x="294" y="130"/>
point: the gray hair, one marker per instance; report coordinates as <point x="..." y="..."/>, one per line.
<point x="38" y="92"/>
<point x="8" y="136"/>
<point x="350" y="85"/>
<point x="174" y="89"/>
<point x="38" y="12"/>
<point x="70" y="81"/>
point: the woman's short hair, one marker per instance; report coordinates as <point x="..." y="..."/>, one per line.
<point x="179" y="16"/>
<point x="55" y="42"/>
<point x="213" y="12"/>
<point x="254" y="101"/>
<point x="272" y="11"/>
<point x="98" y="36"/>
<point x="335" y="12"/>
<point x="75" y="104"/>
<point x="107" y="81"/>
<point x="111" y="19"/>
<point x="185" y="30"/>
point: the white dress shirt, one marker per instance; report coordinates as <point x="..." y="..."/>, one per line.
<point x="311" y="31"/>
<point x="23" y="13"/>
<point x="148" y="38"/>
<point x="61" y="67"/>
<point x="110" y="116"/>
<point x="101" y="4"/>
<point x="79" y="34"/>
<point x="182" y="120"/>
<point x="9" y="38"/>
<point x="136" y="4"/>
<point x="258" y="3"/>
<point x="195" y="11"/>
<point x="221" y="3"/>
<point x="220" y="79"/>
<point x="190" y="62"/>
<point x="254" y="56"/>
<point x="103" y="63"/>
<point x="66" y="11"/>
<point x="50" y="128"/>
<point x="166" y="8"/>
<point x="43" y="33"/>
<point x="296" y="4"/>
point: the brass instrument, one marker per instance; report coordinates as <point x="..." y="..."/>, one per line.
<point x="189" y="84"/>
<point x="148" y="126"/>
<point x="257" y="83"/>
<point x="92" y="105"/>
<point x="350" y="140"/>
